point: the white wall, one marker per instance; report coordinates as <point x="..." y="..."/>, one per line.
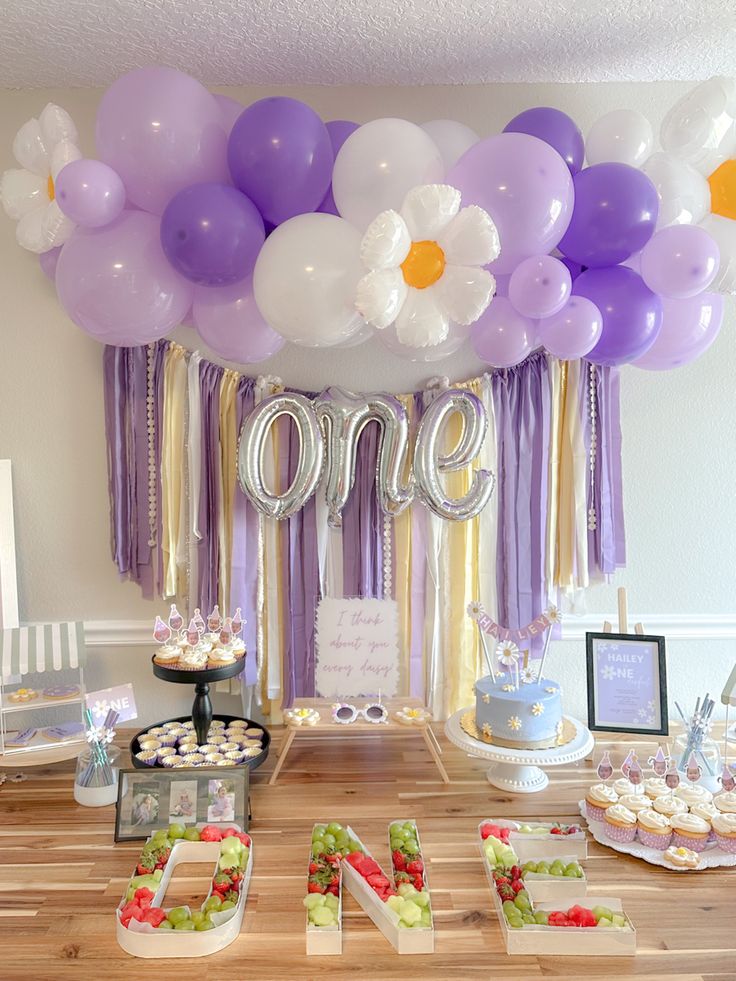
<point x="679" y="451"/>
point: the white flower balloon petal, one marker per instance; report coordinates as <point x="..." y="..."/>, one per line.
<point x="421" y="321"/>
<point x="21" y="192"/>
<point x="386" y="242"/>
<point x="464" y="293"/>
<point x="428" y="209"/>
<point x="29" y="149"/>
<point x="62" y="154"/>
<point x="380" y="296"/>
<point x="471" y="238"/>
<point x="56" y="125"/>
<point x="55" y="225"/>
<point x="29" y="232"/>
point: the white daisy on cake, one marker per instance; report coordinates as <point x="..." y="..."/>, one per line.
<point x="425" y="265"/>
<point x="514" y="723"/>
<point x="528" y="675"/>
<point x="42" y="147"/>
<point x="537" y="708"/>
<point x="508" y="653"/>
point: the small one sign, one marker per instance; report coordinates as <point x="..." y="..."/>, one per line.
<point x="627" y="683"/>
<point x="357" y="645"/>
<point x="120" y="698"/>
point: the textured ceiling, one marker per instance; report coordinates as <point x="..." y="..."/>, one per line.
<point x="333" y="42"/>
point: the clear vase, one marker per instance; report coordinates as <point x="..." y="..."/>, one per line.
<point x="708" y="757"/>
<point x="94" y="785"/>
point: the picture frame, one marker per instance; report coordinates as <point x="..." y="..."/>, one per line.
<point x="155" y="798"/>
<point x="627" y="683"/>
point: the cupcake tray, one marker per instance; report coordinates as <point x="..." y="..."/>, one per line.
<point x="252" y="761"/>
<point x="712" y="858"/>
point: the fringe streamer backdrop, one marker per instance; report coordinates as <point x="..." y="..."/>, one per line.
<point x="182" y="528"/>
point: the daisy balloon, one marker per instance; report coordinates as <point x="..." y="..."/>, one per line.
<point x="42" y="147"/>
<point x="425" y="266"/>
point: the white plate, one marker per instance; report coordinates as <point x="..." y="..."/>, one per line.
<point x="712" y="858"/>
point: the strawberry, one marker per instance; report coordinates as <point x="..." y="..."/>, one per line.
<point x="400" y="877"/>
<point x="501" y="880"/>
<point x="221" y="882"/>
<point x="416" y="865"/>
<point x="243" y="837"/>
<point x="399" y="861"/>
<point x="486" y="830"/>
<point x="555" y="831"/>
<point x="333" y="859"/>
<point x="145" y="869"/>
<point x="516" y="872"/>
<point x="313" y="867"/>
<point x="314" y="887"/>
<point x="517" y="885"/>
<point x="232" y="895"/>
<point x="131" y="911"/>
<point x="334" y="889"/>
<point x="368" y="866"/>
<point x="418" y="883"/>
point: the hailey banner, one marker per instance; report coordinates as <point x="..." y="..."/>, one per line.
<point x="534" y="628"/>
<point x="183" y="528"/>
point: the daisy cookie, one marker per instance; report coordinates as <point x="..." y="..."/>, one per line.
<point x="24" y="695"/>
<point x="683" y="858"/>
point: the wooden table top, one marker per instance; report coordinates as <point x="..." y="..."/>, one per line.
<point x="62" y="875"/>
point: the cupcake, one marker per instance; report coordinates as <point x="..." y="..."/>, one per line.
<point x="235" y="754"/>
<point x="705" y="809"/>
<point x="186" y="747"/>
<point x="193" y="660"/>
<point x="188" y="724"/>
<point x="669" y="805"/>
<point x="252" y="751"/>
<point x="179" y="732"/>
<point x="693" y="794"/>
<point x="254" y="733"/>
<point x="147" y="756"/>
<point x="166" y="752"/>
<point x="724" y="828"/>
<point x="250" y="743"/>
<point x="226" y="762"/>
<point x="217" y="724"/>
<point x="237" y="646"/>
<point x="167" y="739"/>
<point x="169" y="761"/>
<point x="597" y="801"/>
<point x="656" y="787"/>
<point x="217" y="739"/>
<point x="168" y="726"/>
<point x="726" y="802"/>
<point x="207" y="749"/>
<point x="635" y="802"/>
<point x="167" y="657"/>
<point x="179" y="763"/>
<point x="228" y="747"/>
<point x="234" y="733"/>
<point x="624" y="787"/>
<point x="193" y="759"/>
<point x="655" y="829"/>
<point x="690" y="831"/>
<point x="620" y="823"/>
<point x="213" y="758"/>
<point x="220" y="658"/>
<point x="156" y="731"/>
<point x="239" y="723"/>
<point x="150" y="745"/>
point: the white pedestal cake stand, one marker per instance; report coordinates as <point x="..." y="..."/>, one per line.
<point x="517" y="771"/>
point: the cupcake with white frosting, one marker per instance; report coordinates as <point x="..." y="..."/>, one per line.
<point x="726" y="802"/>
<point x="635" y="802"/>
<point x="690" y="831"/>
<point x="597" y="801"/>
<point x="693" y="793"/>
<point x="724" y="829"/>
<point x="624" y="787"/>
<point x="669" y="805"/>
<point x="655" y="830"/>
<point x="620" y="823"/>
<point x="656" y="787"/>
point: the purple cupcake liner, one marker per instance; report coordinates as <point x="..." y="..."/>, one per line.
<point x="727" y="844"/>
<point x="594" y="813"/>
<point x="653" y="840"/>
<point x="685" y="841"/>
<point x="619" y="833"/>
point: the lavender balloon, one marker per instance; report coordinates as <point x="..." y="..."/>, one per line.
<point x="161" y="131"/>
<point x="615" y="214"/>
<point x="229" y="322"/>
<point x="540" y="286"/>
<point x="632" y="314"/>
<point x="212" y="234"/>
<point x="689" y="327"/>
<point x="339" y="130"/>
<point x="117" y="285"/>
<point x="280" y="155"/>
<point x="501" y="336"/>
<point x="48" y="262"/>
<point x="554" y="127"/>
<point x="230" y="109"/>
<point x="572" y="332"/>
<point x="679" y="261"/>
<point x="526" y="188"/>
<point x="90" y="193"/>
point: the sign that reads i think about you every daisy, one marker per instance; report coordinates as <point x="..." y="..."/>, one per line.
<point x="627" y="683"/>
<point x="357" y="648"/>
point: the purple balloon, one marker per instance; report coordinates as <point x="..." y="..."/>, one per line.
<point x="689" y="327"/>
<point x="525" y="187"/>
<point x="632" y="314"/>
<point x="48" y="262"/>
<point x="212" y="234"/>
<point x="117" y="285"/>
<point x="339" y="130"/>
<point x="615" y="214"/>
<point x="573" y="331"/>
<point x="679" y="261"/>
<point x="229" y="322"/>
<point x="501" y="336"/>
<point x="281" y="156"/>
<point x="230" y="108"/>
<point x="574" y="268"/>
<point x="555" y="128"/>
<point x="161" y="131"/>
<point x="90" y="193"/>
<point x="540" y="286"/>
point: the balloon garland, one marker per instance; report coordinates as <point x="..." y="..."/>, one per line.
<point x="263" y="224"/>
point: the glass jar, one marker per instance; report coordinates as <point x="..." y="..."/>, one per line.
<point x="708" y="758"/>
<point x="94" y="785"/>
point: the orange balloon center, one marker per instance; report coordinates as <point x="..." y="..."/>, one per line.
<point x="424" y="265"/>
<point x="723" y="190"/>
<point x="50" y="189"/>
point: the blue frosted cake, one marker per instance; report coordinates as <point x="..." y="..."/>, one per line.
<point x="527" y="717"/>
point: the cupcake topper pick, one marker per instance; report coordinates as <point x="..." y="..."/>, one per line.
<point x="626" y="765"/>
<point x="635" y="774"/>
<point x="237" y="623"/>
<point x="226" y="633"/>
<point x="214" y="619"/>
<point x="192" y="633"/>
<point x="198" y="621"/>
<point x="658" y="762"/>
<point x="161" y="632"/>
<point x="672" y="776"/>
<point x="694" y="771"/>
<point x="727" y="779"/>
<point x="605" y="767"/>
<point x="176" y="620"/>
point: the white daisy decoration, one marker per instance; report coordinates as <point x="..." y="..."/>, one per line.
<point x="607" y="672"/>
<point x="508" y="688"/>
<point x="486" y="698"/>
<point x="528" y="675"/>
<point x="537" y="708"/>
<point x="487" y="732"/>
<point x="425" y="266"/>
<point x="514" y="723"/>
<point x="42" y="147"/>
<point x="475" y="610"/>
<point x="412" y="716"/>
<point x="301" y="716"/>
<point x="553" y="614"/>
<point x="508" y="653"/>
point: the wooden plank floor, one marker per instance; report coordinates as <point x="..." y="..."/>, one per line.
<point x="61" y="876"/>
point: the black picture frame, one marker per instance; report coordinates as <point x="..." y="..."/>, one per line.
<point x="597" y="724"/>
<point x="136" y="819"/>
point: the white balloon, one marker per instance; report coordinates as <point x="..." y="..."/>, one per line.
<point x="305" y="279"/>
<point x="451" y="138"/>
<point x="723" y="231"/>
<point x="701" y="128"/>
<point x="455" y="339"/>
<point x="378" y="164"/>
<point x="622" y="136"/>
<point x="684" y="194"/>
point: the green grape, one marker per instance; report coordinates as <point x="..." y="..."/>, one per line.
<point x="197" y="916"/>
<point x="214" y="902"/>
<point x="318" y="830"/>
<point x="185" y="925"/>
<point x="228" y="904"/>
<point x="333" y="827"/>
<point x="354" y="845"/>
<point x="541" y="916"/>
<point x="204" y="925"/>
<point x="397" y="844"/>
<point x="406" y="833"/>
<point x="410" y="826"/>
<point x="318" y="846"/>
<point x="411" y="847"/>
<point x="395" y="829"/>
<point x="177" y="915"/>
<point x="165" y="925"/>
<point x="329" y="840"/>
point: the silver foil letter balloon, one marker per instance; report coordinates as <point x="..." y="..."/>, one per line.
<point x="252" y="444"/>
<point x="430" y="462"/>
<point x="344" y="415"/>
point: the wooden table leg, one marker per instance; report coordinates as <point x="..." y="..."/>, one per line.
<point x="434" y="749"/>
<point x="290" y="735"/>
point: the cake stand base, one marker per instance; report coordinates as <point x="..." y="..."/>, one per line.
<point x="517" y="779"/>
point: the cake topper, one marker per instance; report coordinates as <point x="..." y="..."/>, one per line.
<point x="214" y="620"/>
<point x="694" y="770"/>
<point x="626" y="765"/>
<point x="192" y="633"/>
<point x="161" y="631"/>
<point x="635" y="775"/>
<point x="176" y="620"/>
<point x="727" y="779"/>
<point x="605" y="767"/>
<point x="198" y="621"/>
<point x="226" y="633"/>
<point x="658" y="762"/>
<point x="672" y="776"/>
<point x="237" y="621"/>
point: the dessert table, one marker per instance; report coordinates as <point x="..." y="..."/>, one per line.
<point x="61" y="875"/>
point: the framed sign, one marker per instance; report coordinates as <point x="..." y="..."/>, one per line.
<point x="357" y="643"/>
<point x="151" y="800"/>
<point x="627" y="683"/>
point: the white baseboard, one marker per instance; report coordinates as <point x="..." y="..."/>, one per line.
<point x="674" y="626"/>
